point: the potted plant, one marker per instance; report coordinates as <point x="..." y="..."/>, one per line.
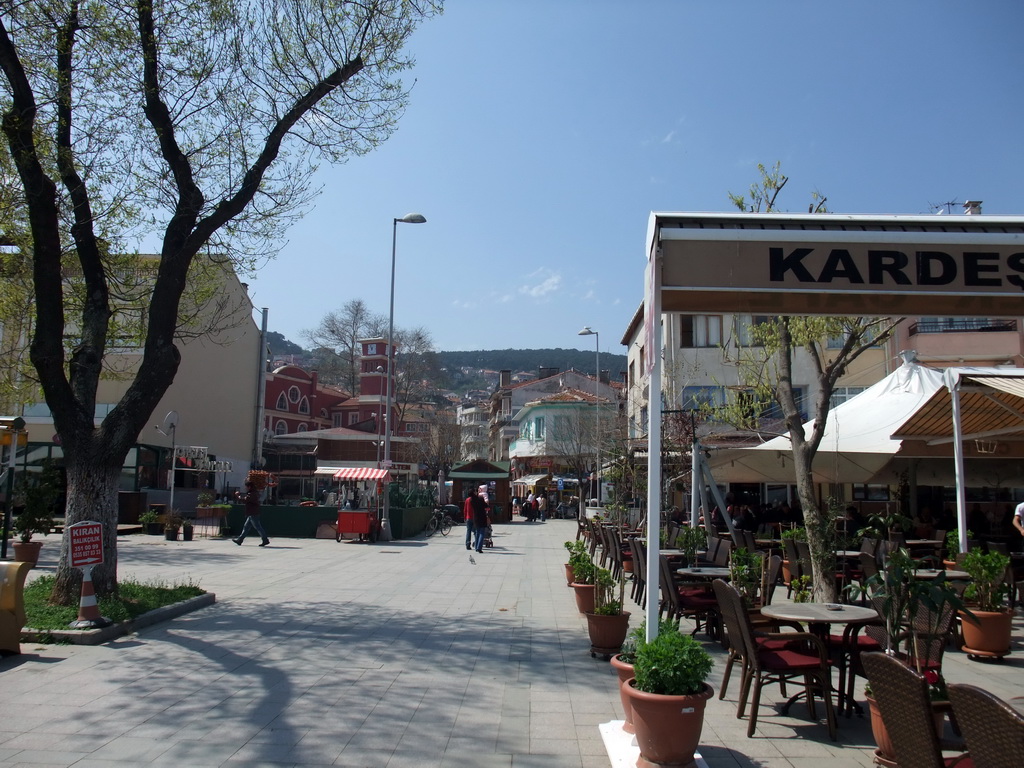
<point x="187" y="529"/>
<point x="690" y="540"/>
<point x="172" y="524"/>
<point x="953" y="547"/>
<point x="577" y="550"/>
<point x="623" y="662"/>
<point x="789" y="567"/>
<point x="607" y="624"/>
<point x="150" y="521"/>
<point x="583" y="571"/>
<point x="986" y="628"/>
<point x="39" y="494"/>
<point x="668" y="694"/>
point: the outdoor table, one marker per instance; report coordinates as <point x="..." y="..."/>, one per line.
<point x="852" y="554"/>
<point x="931" y="573"/>
<point x="708" y="572"/>
<point x="818" y="617"/>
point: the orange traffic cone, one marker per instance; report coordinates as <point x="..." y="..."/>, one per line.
<point x="88" y="608"/>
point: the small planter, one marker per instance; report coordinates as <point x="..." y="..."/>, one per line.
<point x="624" y="671"/>
<point x="584" y="597"/>
<point x="607" y="633"/>
<point x="186" y="533"/>
<point x="27" y="551"/>
<point x="154" y="529"/>
<point x="667" y="728"/>
<point x="570" y="577"/>
<point x="990" y="637"/>
<point x="171" y="535"/>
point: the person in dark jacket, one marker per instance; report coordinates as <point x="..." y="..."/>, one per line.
<point x="480" y="511"/>
<point x="252" y="514"/>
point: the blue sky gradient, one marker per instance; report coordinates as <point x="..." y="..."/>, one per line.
<point x="542" y="133"/>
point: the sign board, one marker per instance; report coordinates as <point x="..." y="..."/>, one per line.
<point x="85" y="544"/>
<point x="823" y="264"/>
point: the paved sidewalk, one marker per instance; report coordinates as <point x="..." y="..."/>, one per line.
<point x="391" y="654"/>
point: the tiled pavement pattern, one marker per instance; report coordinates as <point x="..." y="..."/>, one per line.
<point x="390" y="654"/>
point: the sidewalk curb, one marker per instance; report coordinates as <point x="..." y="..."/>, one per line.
<point x="106" y="634"/>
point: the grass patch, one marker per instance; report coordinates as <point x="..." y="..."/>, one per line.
<point x="133" y="599"/>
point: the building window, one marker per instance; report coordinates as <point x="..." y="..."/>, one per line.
<point x="700" y="331"/>
<point x="282" y="402"/>
<point x="323" y="413"/>
<point x="695" y="398"/>
<point x="304" y="405"/>
<point x="302" y="427"/>
<point x="774" y="410"/>
<point x="281" y="428"/>
<point x="538" y="427"/>
<point x="744" y="329"/>
<point x="294" y="394"/>
<point x="842" y="394"/>
<point x="870" y="492"/>
<point x="353" y="418"/>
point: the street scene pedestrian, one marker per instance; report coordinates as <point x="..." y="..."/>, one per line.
<point x="467" y="514"/>
<point x="480" y="512"/>
<point x="251" y="499"/>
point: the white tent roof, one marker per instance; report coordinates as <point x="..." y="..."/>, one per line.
<point x="857" y="443"/>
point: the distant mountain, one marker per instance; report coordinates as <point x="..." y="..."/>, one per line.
<point x="472" y="372"/>
<point x="532" y="360"/>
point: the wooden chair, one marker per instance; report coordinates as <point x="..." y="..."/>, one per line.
<point x="688" y="600"/>
<point x="902" y="698"/>
<point x="803" y="657"/>
<point x="639" y="570"/>
<point x="993" y="730"/>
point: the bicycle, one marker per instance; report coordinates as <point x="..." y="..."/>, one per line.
<point x="440" y="520"/>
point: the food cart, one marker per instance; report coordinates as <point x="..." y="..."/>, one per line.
<point x="364" y="523"/>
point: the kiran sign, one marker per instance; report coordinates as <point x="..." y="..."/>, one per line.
<point x="85" y="544"/>
<point x="822" y="264"/>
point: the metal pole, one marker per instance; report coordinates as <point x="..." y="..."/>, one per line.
<point x="13" y="431"/>
<point x="386" y="464"/>
<point x="174" y="461"/>
<point x="597" y="418"/>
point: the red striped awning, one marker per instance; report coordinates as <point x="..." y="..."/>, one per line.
<point x="361" y="473"/>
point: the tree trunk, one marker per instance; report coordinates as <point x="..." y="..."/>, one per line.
<point x="92" y="495"/>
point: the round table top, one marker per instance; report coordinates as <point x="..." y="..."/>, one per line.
<point x="848" y="552"/>
<point x="824" y="613"/>
<point x="707" y="572"/>
<point x="931" y="573"/>
<point x="924" y="542"/>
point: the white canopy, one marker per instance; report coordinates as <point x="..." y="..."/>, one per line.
<point x="857" y="444"/>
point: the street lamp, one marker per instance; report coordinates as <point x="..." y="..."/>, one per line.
<point x="170" y="429"/>
<point x="409" y="218"/>
<point x="597" y="403"/>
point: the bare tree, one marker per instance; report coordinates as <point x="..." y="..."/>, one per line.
<point x="767" y="369"/>
<point x="201" y="122"/>
<point x="340" y="333"/>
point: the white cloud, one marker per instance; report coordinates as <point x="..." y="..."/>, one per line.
<point x="542" y="283"/>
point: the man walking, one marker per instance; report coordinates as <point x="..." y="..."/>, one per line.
<point x="252" y="514"/>
<point x="480" y="509"/>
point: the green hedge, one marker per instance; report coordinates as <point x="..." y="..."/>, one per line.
<point x="301" y="522"/>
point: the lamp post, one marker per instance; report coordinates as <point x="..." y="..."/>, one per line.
<point x="170" y="425"/>
<point x="409" y="218"/>
<point x="597" y="403"/>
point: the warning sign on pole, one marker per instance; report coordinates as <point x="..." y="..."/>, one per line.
<point x="85" y="544"/>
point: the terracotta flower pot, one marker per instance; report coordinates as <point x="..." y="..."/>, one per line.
<point x="885" y="755"/>
<point x="27" y="551"/>
<point x="570" y="576"/>
<point x="584" y="597"/>
<point x="607" y="632"/>
<point x="624" y="672"/>
<point x="990" y="636"/>
<point x="667" y="728"/>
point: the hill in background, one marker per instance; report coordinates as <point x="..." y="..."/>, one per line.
<point x="477" y="369"/>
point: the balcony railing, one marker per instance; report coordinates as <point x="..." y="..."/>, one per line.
<point x="963" y="325"/>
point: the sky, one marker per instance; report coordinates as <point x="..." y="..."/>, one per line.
<point x="540" y="135"/>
